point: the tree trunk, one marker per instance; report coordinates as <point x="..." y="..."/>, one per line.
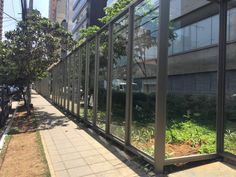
<point x="28" y="100"/>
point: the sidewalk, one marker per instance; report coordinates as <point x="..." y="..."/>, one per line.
<point x="71" y="151"/>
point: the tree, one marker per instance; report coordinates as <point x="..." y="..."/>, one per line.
<point x="32" y="47"/>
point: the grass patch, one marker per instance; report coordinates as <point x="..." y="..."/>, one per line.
<point x="43" y="155"/>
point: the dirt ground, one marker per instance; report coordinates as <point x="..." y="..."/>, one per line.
<point x="24" y="157"/>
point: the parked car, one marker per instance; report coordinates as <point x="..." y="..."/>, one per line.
<point x="5" y="104"/>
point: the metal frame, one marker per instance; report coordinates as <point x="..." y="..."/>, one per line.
<point x="86" y="82"/>
<point x="221" y="75"/>
<point x="97" y="39"/>
<point x="159" y="160"/>
<point x="109" y="77"/>
<point x="162" y="79"/>
<point x="73" y="83"/>
<point x="79" y="80"/>
<point x="128" y="105"/>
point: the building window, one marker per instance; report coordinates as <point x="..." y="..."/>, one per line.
<point x="215" y="30"/>
<point x="178" y="42"/>
<point x="204" y="33"/>
<point x="232" y="24"/>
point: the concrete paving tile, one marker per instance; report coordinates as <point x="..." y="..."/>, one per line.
<point x="109" y="156"/>
<point x="91" y="176"/>
<point x="62" y="173"/>
<point x="58" y="166"/>
<point x="101" y="167"/>
<point x="89" y="153"/>
<point x="117" y="163"/>
<point x="55" y="158"/>
<point x="95" y="159"/>
<point x="66" y="150"/>
<point x="80" y="171"/>
<point x="64" y="146"/>
<point x="75" y="163"/>
<point x="110" y="173"/>
<point x="126" y="171"/>
<point x="103" y="150"/>
<point x="70" y="156"/>
<point x="53" y="152"/>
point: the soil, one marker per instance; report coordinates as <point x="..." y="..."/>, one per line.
<point x="23" y="157"/>
<point x="173" y="150"/>
<point x="178" y="150"/>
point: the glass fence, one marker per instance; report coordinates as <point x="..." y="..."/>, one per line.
<point x="113" y="80"/>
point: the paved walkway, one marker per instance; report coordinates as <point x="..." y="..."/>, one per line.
<point x="71" y="151"/>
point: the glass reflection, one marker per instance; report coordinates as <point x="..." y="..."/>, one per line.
<point x="91" y="72"/>
<point x="102" y="80"/>
<point x="230" y="86"/>
<point x="192" y="80"/>
<point x="119" y="72"/>
<point x="144" y="74"/>
<point x="82" y="80"/>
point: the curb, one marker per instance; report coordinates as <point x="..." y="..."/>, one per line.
<point x="47" y="155"/>
<point x="2" y="141"/>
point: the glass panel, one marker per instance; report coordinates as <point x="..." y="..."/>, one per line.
<point x="82" y="80"/>
<point x="120" y="41"/>
<point x="215" y="31"/>
<point x="178" y="43"/>
<point x="204" y="33"/>
<point x="193" y="40"/>
<point x="187" y="38"/>
<point x="102" y="80"/>
<point x="144" y="67"/>
<point x="91" y="74"/>
<point x="192" y="77"/>
<point x="232" y="24"/>
<point x="230" y="88"/>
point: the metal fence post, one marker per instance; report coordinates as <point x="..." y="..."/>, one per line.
<point x="79" y="80"/>
<point x="64" y="83"/>
<point x="128" y="105"/>
<point x="109" y="78"/>
<point x="221" y="75"/>
<point x="86" y="82"/>
<point x="162" y="78"/>
<point x="73" y="83"/>
<point x="96" y="73"/>
<point x="68" y="83"/>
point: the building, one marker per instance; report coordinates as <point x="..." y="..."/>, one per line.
<point x="85" y="14"/>
<point x="1" y="17"/>
<point x="57" y="10"/>
<point x="69" y="14"/>
<point x="110" y="2"/>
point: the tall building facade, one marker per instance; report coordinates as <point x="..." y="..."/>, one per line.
<point x="110" y="2"/>
<point x="57" y="10"/>
<point x="69" y="14"/>
<point x="1" y="17"/>
<point x="87" y="13"/>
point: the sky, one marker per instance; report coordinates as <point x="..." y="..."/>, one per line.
<point x="13" y="8"/>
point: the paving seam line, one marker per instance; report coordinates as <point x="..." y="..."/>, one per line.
<point x="2" y="141"/>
